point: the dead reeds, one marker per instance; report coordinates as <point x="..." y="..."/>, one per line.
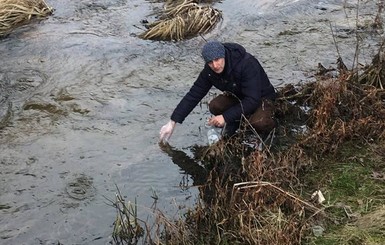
<point x="347" y="108"/>
<point x="254" y="196"/>
<point x="182" y="20"/>
<point x="14" y="13"/>
<point x="374" y="74"/>
<point x="257" y="196"/>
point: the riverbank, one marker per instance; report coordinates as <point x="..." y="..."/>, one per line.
<point x="89" y="96"/>
<point x="321" y="185"/>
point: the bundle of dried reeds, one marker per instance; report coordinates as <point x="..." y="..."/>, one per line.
<point x="182" y="20"/>
<point x="14" y="13"/>
<point x="375" y="73"/>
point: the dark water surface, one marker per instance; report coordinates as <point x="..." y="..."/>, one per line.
<point x="88" y="99"/>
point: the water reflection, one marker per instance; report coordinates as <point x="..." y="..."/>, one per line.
<point x="187" y="164"/>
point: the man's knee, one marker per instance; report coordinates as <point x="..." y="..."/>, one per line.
<point x="221" y="103"/>
<point x="264" y="125"/>
<point x="215" y="107"/>
<point x="263" y="119"/>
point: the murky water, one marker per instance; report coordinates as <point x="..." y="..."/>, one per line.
<point x="88" y="99"/>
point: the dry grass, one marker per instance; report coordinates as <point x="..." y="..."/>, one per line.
<point x="182" y="20"/>
<point x="14" y="13"/>
<point x="348" y="110"/>
<point x="374" y="74"/>
<point x="257" y="196"/>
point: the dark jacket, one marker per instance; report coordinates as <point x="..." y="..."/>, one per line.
<point x="243" y="76"/>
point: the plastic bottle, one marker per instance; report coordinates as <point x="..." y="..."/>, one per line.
<point x="212" y="136"/>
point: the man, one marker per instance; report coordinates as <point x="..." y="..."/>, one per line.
<point x="247" y="91"/>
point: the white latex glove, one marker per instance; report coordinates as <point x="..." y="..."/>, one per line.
<point x="166" y="131"/>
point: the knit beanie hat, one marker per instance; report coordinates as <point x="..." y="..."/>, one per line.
<point x="213" y="50"/>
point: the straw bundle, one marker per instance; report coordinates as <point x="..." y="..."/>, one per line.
<point x="182" y="20"/>
<point x="14" y="13"/>
<point x="374" y="74"/>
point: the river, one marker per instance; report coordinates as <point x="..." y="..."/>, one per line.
<point x="89" y="97"/>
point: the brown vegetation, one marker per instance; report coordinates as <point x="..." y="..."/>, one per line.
<point x="262" y="195"/>
<point x="14" y="13"/>
<point x="258" y="196"/>
<point x="182" y="19"/>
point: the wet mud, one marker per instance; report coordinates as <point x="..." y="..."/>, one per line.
<point x="82" y="100"/>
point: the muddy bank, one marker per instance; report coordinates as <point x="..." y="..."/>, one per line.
<point x="88" y="99"/>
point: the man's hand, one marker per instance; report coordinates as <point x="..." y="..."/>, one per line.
<point x="166" y="131"/>
<point x="217" y="121"/>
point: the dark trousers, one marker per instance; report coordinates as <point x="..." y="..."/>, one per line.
<point x="262" y="120"/>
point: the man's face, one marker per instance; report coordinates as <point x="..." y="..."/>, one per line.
<point x="217" y="65"/>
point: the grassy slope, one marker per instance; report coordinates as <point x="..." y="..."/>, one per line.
<point x="353" y="183"/>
